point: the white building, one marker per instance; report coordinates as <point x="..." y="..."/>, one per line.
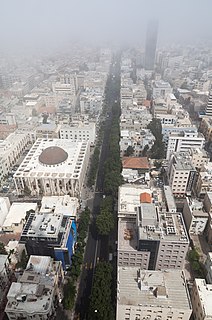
<point x="204" y="180"/>
<point x="208" y="267"/>
<point x="11" y="150"/>
<point x="66" y="205"/>
<point x="53" y="167"/>
<point x="4" y="209"/>
<point x="79" y="131"/>
<point x="184" y="141"/>
<point x="181" y="174"/>
<point x="208" y="110"/>
<point x="16" y="216"/>
<point x="161" y="89"/>
<point x="36" y="294"/>
<point x="195" y="216"/>
<point x="199" y="157"/>
<point x="201" y="298"/>
<point x="152" y="295"/>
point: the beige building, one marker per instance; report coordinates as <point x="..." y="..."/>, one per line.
<point x="11" y="150"/>
<point x="201" y="298"/>
<point x="149" y="237"/>
<point x="195" y="216"/>
<point x="199" y="157"/>
<point x="208" y="207"/>
<point x="208" y="267"/>
<point x="181" y="174"/>
<point x="204" y="180"/>
<point x="37" y="292"/>
<point x="16" y="217"/>
<point x="53" y="167"/>
<point x="206" y="128"/>
<point x="5" y="274"/>
<point x="79" y="131"/>
<point x="152" y="295"/>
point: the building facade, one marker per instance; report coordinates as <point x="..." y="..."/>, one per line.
<point x="201" y="298"/>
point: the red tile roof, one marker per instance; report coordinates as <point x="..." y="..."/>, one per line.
<point x="145" y="198"/>
<point x="135" y="163"/>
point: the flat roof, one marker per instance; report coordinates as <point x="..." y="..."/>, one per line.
<point x="129" y="198"/>
<point x="69" y="168"/>
<point x="43" y="225"/>
<point x="38" y="264"/>
<point x="169" y="198"/>
<point x="138" y="287"/>
<point x="17" y="212"/>
<point x="65" y="205"/>
<point x="182" y="161"/>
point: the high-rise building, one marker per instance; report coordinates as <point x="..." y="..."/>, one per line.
<point x="151" y="42"/>
<point x="208" y="110"/>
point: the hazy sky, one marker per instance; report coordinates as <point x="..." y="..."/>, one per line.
<point x="52" y="23"/>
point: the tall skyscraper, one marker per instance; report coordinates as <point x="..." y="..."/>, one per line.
<point x="208" y="110"/>
<point x="151" y="42"/>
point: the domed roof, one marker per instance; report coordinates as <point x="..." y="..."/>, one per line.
<point x="53" y="155"/>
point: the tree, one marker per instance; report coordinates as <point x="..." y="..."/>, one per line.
<point x="129" y="151"/>
<point x="69" y="295"/>
<point x="100" y="306"/>
<point x="158" y="149"/>
<point x="2" y="249"/>
<point x="104" y="222"/>
<point x="145" y="149"/>
<point x="23" y="261"/>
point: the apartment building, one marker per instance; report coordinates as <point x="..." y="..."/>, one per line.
<point x="79" y="131"/>
<point x="184" y="141"/>
<point x="16" y="217"/>
<point x="181" y="174"/>
<point x="204" y="180"/>
<point x="152" y="295"/>
<point x="147" y="237"/>
<point x="201" y="298"/>
<point x="199" y="157"/>
<point x="208" y="267"/>
<point x="161" y="89"/>
<point x="53" y="167"/>
<point x="206" y="128"/>
<point x="195" y="217"/>
<point x="11" y="149"/>
<point x="5" y="274"/>
<point x="50" y="234"/>
<point x="37" y="292"/>
<point x="208" y="208"/>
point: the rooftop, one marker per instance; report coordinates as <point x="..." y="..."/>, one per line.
<point x="135" y="163"/>
<point x="53" y="158"/>
<point x="170" y="202"/>
<point x="44" y="225"/>
<point x="33" y="293"/>
<point x="17" y="213"/>
<point x="165" y="289"/>
<point x="65" y="205"/>
<point x="182" y="161"/>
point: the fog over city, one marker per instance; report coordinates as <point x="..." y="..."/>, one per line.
<point x="37" y="24"/>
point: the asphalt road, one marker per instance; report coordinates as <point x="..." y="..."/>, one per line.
<point x="96" y="248"/>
